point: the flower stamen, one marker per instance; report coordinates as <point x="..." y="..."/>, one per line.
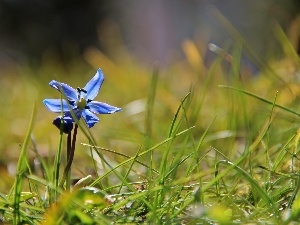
<point x="81" y="103"/>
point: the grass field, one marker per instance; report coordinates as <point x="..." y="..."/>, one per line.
<point x="193" y="144"/>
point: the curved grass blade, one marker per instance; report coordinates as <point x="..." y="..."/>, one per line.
<point x="176" y="114"/>
<point x="245" y="175"/>
<point x="258" y="190"/>
<point x="282" y="153"/>
<point x="261" y="99"/>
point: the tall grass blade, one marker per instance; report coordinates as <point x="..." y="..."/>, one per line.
<point x="176" y="114"/>
<point x="21" y="169"/>
<point x="150" y="104"/>
<point x="149" y="114"/>
<point x="288" y="48"/>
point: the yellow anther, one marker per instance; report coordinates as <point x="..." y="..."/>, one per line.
<point x="81" y="103"/>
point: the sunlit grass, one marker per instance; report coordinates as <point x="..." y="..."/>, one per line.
<point x="195" y="143"/>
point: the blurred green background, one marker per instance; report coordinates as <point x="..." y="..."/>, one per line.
<point x="68" y="40"/>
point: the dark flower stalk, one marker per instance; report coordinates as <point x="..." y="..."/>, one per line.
<point x="69" y="150"/>
<point x="70" y="156"/>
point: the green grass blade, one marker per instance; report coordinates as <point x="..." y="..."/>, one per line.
<point x="288" y="48"/>
<point x="282" y="153"/>
<point x="176" y="114"/>
<point x="261" y="99"/>
<point x="21" y="169"/>
<point x="149" y="114"/>
<point x="150" y="104"/>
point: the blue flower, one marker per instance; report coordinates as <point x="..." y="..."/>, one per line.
<point x="80" y="101"/>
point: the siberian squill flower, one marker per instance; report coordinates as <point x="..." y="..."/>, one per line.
<point x="80" y="101"/>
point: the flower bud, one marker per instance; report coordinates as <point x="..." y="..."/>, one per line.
<point x="64" y="124"/>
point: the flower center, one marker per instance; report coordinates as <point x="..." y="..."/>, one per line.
<point x="81" y="104"/>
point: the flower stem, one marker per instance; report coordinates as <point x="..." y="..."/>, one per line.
<point x="69" y="149"/>
<point x="53" y="193"/>
<point x="70" y="155"/>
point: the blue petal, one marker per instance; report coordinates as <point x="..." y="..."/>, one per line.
<point x="90" y="118"/>
<point x="93" y="86"/>
<point x="77" y="113"/>
<point x="70" y="92"/>
<point x="102" y="108"/>
<point x="54" y="105"/>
